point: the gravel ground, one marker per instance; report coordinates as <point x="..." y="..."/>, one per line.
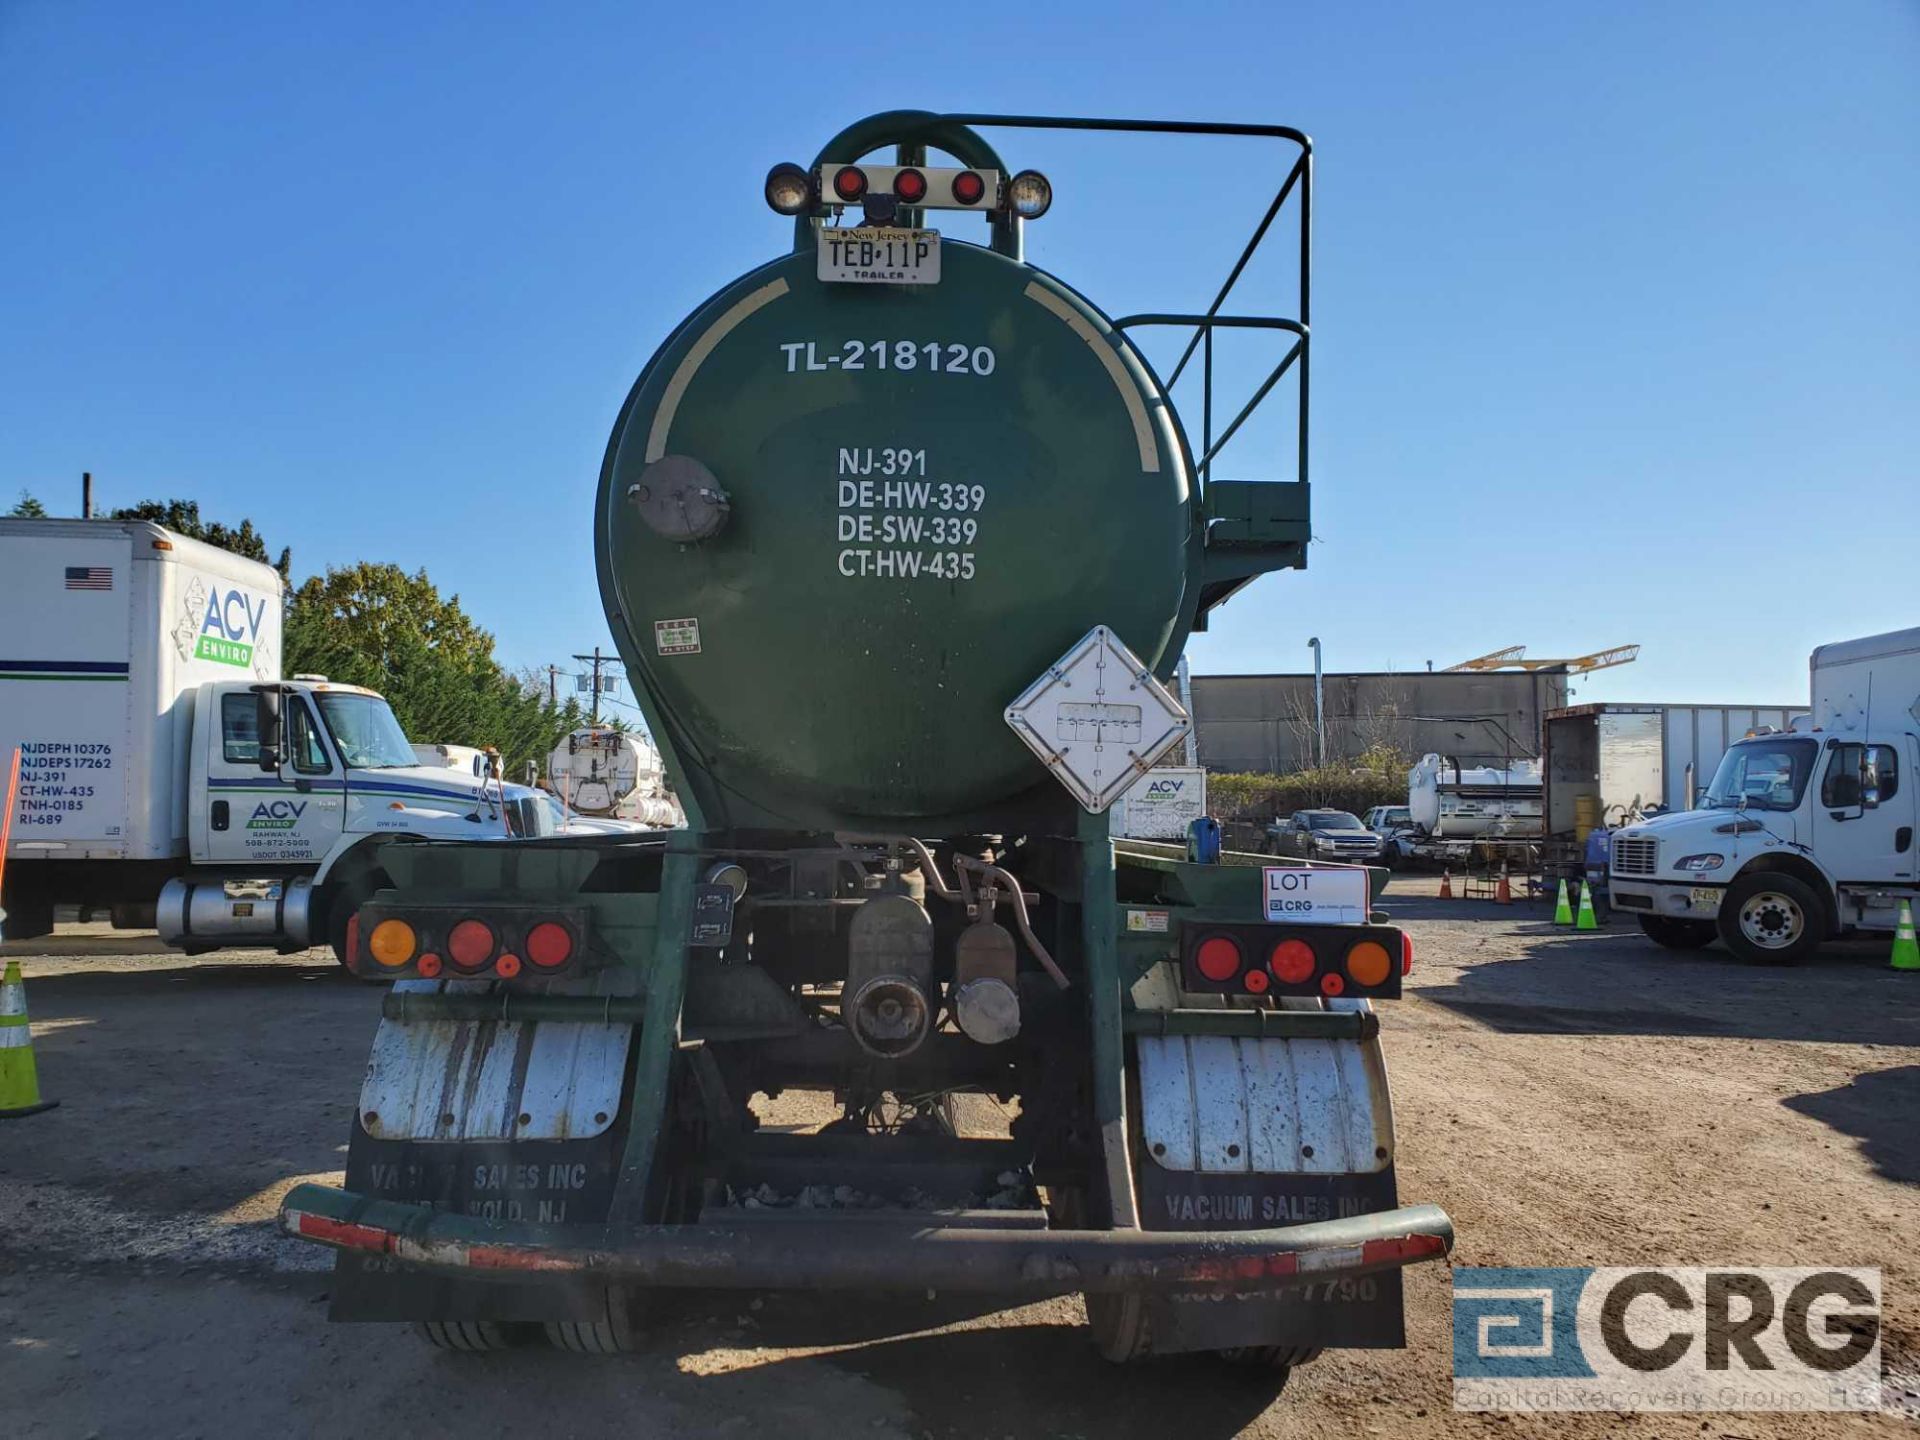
<point x="1570" y="1099"/>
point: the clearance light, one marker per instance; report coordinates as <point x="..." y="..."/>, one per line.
<point x="850" y="183"/>
<point x="1406" y="953"/>
<point x="549" y="946"/>
<point x="789" y="189"/>
<point x="1030" y="194"/>
<point x="1218" y="959"/>
<point x="392" y="943"/>
<point x="911" y="186"/>
<point x="1256" y="982"/>
<point x="1292" y="962"/>
<point x="470" y="944"/>
<point x="1332" y="985"/>
<point x="1369" y="964"/>
<point x="429" y="966"/>
<point x="968" y="187"/>
<point x="507" y="966"/>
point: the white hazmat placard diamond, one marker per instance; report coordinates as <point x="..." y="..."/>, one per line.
<point x="1098" y="719"/>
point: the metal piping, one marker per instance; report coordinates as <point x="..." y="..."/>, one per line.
<point x="1001" y="877"/>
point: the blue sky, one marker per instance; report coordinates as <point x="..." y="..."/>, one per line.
<point x="1617" y="308"/>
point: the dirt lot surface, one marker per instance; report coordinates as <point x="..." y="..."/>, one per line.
<point x="1570" y="1099"/>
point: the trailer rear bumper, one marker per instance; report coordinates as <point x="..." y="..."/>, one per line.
<point x="828" y="1254"/>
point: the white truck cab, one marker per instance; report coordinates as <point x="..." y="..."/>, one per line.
<point x="169" y="776"/>
<point x="1802" y="833"/>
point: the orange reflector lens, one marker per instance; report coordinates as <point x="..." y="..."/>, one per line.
<point x="470" y="944"/>
<point x="1292" y="962"/>
<point x="392" y="943"/>
<point x="549" y="946"/>
<point x="1218" y="958"/>
<point x="1332" y="985"/>
<point x="1256" y="982"/>
<point x="1369" y="964"/>
<point x="507" y="966"/>
<point x="429" y="966"/>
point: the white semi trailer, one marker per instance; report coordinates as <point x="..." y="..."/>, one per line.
<point x="1805" y="830"/>
<point x="169" y="776"/>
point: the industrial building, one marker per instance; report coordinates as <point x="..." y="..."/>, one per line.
<point x="1265" y="723"/>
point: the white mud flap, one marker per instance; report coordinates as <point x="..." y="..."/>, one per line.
<point x="1241" y="1134"/>
<point x="492" y="1079"/>
<point x="504" y="1120"/>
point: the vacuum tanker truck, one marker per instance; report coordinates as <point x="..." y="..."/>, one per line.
<point x="897" y="708"/>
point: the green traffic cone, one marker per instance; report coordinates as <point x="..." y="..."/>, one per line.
<point x="1906" y="953"/>
<point x="1563" y="912"/>
<point x="1588" y="920"/>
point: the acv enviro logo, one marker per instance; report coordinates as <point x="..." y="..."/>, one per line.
<point x="223" y="624"/>
<point x="1678" y="1339"/>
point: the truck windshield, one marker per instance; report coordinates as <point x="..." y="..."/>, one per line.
<point x="1337" y="820"/>
<point x="363" y="728"/>
<point x="1766" y="774"/>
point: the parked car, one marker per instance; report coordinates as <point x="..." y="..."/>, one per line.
<point x="1394" y="825"/>
<point x="1324" y="835"/>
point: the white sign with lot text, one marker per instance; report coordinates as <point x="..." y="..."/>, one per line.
<point x="1325" y="895"/>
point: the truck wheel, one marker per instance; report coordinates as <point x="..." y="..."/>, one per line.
<point x="1772" y="919"/>
<point x="1278" y="1358"/>
<point x="472" y="1337"/>
<point x="1677" y="934"/>
<point x="615" y="1335"/>
<point x="27" y="919"/>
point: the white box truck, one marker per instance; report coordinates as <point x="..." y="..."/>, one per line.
<point x="168" y="776"/>
<point x="1804" y="832"/>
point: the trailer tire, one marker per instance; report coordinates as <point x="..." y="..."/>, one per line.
<point x="1678" y="934"/>
<point x="1278" y="1358"/>
<point x="1771" y="918"/>
<point x="472" y="1337"/>
<point x="615" y="1335"/>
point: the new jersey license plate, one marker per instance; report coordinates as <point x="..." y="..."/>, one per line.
<point x="870" y="255"/>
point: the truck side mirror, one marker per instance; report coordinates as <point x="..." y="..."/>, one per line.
<point x="266" y="709"/>
<point x="1869" y="785"/>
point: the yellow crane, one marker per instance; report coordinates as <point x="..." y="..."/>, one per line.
<point x="1514" y="658"/>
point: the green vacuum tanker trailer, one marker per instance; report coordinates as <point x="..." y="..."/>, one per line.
<point x="900" y="538"/>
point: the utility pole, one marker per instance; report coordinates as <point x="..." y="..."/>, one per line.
<point x="596" y="660"/>
<point x="86" y="494"/>
<point x="553" y="685"/>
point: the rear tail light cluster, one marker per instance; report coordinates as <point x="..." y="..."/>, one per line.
<point x="466" y="942"/>
<point x="1326" y="960"/>
<point x="793" y="191"/>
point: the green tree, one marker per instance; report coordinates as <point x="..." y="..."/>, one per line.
<point x="376" y="625"/>
<point x="28" y="508"/>
<point x="183" y="517"/>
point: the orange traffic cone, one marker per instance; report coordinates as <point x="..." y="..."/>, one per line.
<point x="1503" y="892"/>
<point x="1446" y="884"/>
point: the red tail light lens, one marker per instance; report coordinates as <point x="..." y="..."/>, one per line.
<point x="470" y="944"/>
<point x="1218" y="958"/>
<point x="910" y="186"/>
<point x="1292" y="962"/>
<point x="1406" y="953"/>
<point x="969" y="188"/>
<point x="549" y="945"/>
<point x="850" y="183"/>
